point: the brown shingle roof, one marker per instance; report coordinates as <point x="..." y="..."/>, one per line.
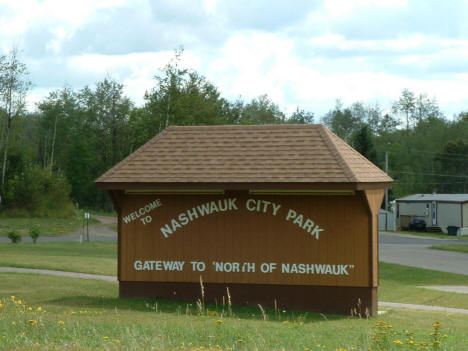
<point x="245" y="154"/>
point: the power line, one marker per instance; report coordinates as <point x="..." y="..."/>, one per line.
<point x="397" y="181"/>
<point x="443" y="153"/>
<point x="431" y="174"/>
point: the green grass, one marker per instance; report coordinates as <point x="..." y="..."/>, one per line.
<point x="87" y="314"/>
<point x="405" y="284"/>
<point x="87" y="257"/>
<point x="80" y="314"/>
<point x="455" y="247"/>
<point x="47" y="226"/>
<point x="428" y="235"/>
<point x="397" y="283"/>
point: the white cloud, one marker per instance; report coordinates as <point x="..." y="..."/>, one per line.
<point x="367" y="50"/>
<point x="339" y="8"/>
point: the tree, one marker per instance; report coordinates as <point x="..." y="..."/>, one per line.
<point x="341" y="121"/>
<point x="111" y="110"/>
<point x="453" y="161"/>
<point x="58" y="124"/>
<point x="425" y="108"/>
<point x="261" y="110"/>
<point x="406" y="105"/>
<point x="387" y="124"/>
<point x="13" y="88"/>
<point x="301" y="116"/>
<point x="362" y="142"/>
<point x="183" y="97"/>
<point x="415" y="109"/>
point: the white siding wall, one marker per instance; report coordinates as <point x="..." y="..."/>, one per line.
<point x="465" y="215"/>
<point x="448" y="214"/>
<point x="414" y="209"/>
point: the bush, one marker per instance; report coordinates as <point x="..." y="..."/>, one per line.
<point x="34" y="233"/>
<point x="39" y="193"/>
<point x="14" y="237"/>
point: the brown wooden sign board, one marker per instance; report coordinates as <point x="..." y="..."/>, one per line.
<point x="309" y="251"/>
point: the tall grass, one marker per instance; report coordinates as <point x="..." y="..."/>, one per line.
<point x="27" y="326"/>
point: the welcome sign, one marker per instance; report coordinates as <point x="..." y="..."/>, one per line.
<point x="267" y="239"/>
<point x="281" y="214"/>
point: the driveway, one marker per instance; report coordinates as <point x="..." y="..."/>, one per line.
<point x="415" y="252"/>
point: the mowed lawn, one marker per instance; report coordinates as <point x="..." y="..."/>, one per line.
<point x="452" y="247"/>
<point x="86" y="257"/>
<point x="46" y="226"/>
<point x="438" y="235"/>
<point x="79" y="314"/>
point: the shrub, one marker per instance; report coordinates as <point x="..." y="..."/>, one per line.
<point x="34" y="233"/>
<point x="14" y="237"/>
<point x="39" y="193"/>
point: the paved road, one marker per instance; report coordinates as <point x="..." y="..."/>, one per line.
<point x="416" y="252"/>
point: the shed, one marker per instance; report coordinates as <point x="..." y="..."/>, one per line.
<point x="279" y="214"/>
<point x="386" y="220"/>
<point x="438" y="210"/>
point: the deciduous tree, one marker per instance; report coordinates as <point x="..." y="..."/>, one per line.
<point x="13" y="88"/>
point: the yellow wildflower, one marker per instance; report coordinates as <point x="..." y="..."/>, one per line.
<point x="61" y="322"/>
<point x="39" y="309"/>
<point x="12" y="297"/>
<point x="105" y="337"/>
<point x="117" y="341"/>
<point x="436" y="325"/>
<point x="30" y="308"/>
<point x="32" y="321"/>
<point x="219" y="321"/>
<point x="399" y="342"/>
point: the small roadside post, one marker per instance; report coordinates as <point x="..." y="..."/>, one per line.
<point x="87" y="225"/>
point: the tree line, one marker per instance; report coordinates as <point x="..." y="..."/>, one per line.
<point x="55" y="153"/>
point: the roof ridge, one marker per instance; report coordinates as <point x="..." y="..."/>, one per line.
<point x="357" y="153"/>
<point x="325" y="134"/>
<point x="130" y="157"/>
<point x="259" y="126"/>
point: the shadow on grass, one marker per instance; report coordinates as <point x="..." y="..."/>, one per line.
<point x="188" y="308"/>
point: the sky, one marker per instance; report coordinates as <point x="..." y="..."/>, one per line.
<point x="301" y="53"/>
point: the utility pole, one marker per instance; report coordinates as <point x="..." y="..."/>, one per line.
<point x="386" y="190"/>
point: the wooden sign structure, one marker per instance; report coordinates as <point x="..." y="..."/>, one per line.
<point x="284" y="213"/>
